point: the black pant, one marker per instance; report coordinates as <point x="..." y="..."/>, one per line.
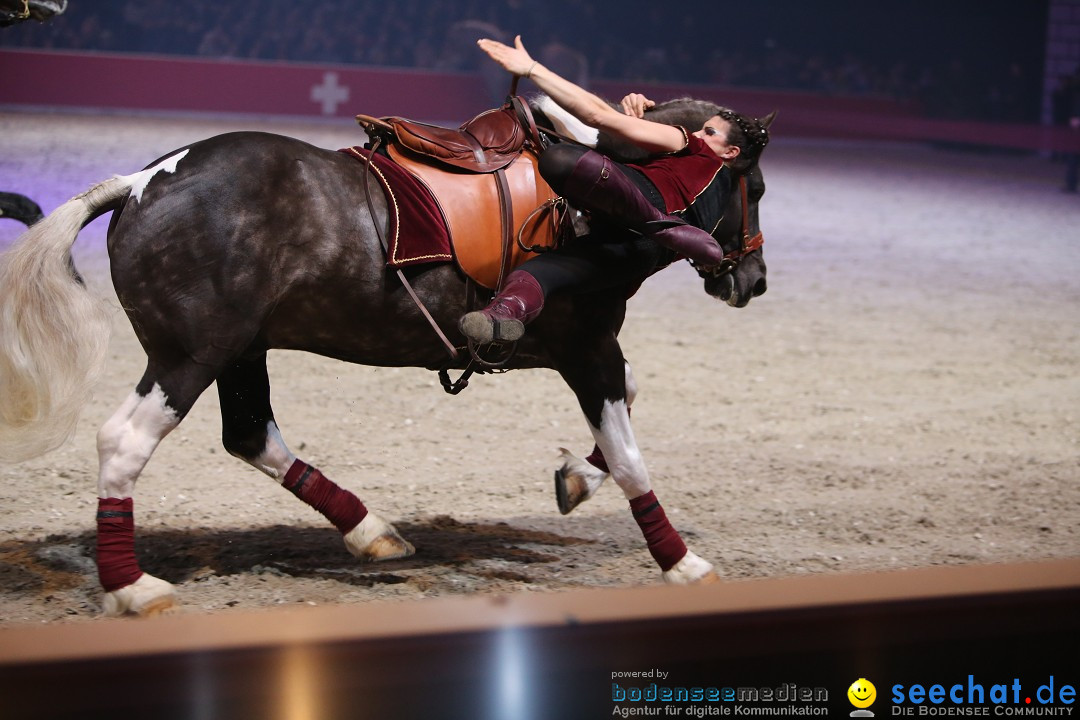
<point x="610" y="255"/>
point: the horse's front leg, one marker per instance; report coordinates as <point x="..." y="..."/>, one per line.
<point x="578" y="479"/>
<point x="597" y="377"/>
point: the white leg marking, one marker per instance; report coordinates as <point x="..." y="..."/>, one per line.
<point x="140" y="180"/>
<point x="616" y="441"/>
<point x="376" y="539"/>
<point x="148" y="595"/>
<point x="631" y="384"/>
<point x="691" y="569"/>
<point x="126" y="441"/>
<point x="581" y="478"/>
<point x="276" y="459"/>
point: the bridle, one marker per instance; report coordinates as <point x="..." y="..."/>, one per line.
<point x="747" y="244"/>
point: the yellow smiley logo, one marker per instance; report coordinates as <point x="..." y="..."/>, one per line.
<point x="862" y="693"/>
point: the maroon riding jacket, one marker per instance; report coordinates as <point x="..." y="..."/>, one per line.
<point x="684" y="175"/>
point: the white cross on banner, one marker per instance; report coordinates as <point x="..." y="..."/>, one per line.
<point x="329" y="93"/>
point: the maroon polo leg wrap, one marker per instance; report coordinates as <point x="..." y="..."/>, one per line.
<point x="339" y="506"/>
<point x="664" y="543"/>
<point x="117" y="566"/>
<point x="596" y="459"/>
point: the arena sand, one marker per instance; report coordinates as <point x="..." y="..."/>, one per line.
<point x="904" y="395"/>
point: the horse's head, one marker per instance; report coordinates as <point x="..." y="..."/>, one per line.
<point x="741" y="276"/>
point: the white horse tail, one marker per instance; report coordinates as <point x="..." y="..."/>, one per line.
<point x="53" y="333"/>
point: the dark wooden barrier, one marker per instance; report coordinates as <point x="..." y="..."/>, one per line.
<point x="561" y="655"/>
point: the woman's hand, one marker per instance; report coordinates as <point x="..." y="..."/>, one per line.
<point x="515" y="59"/>
<point x="635" y="105"/>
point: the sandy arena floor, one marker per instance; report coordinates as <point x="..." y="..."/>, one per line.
<point x="904" y="395"/>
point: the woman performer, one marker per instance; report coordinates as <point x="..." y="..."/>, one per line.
<point x="685" y="173"/>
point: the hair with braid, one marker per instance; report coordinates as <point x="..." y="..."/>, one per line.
<point x="748" y="133"/>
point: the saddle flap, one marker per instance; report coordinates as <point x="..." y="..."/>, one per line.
<point x="474" y="213"/>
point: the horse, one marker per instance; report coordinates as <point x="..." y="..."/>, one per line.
<point x="247" y="242"/>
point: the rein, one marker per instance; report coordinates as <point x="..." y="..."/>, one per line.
<point x="747" y="244"/>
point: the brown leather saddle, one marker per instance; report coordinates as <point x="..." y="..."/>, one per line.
<point x="489" y="141"/>
<point x="484" y="179"/>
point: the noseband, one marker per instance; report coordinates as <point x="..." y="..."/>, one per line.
<point x="747" y="244"/>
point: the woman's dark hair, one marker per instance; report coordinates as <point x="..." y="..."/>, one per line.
<point x="749" y="134"/>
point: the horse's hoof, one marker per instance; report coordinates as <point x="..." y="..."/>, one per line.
<point x="375" y="539"/>
<point x="576" y="481"/>
<point x="691" y="570"/>
<point x="570" y="490"/>
<point x="710" y="578"/>
<point x="146" y="597"/>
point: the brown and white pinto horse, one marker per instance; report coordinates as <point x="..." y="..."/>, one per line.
<point x="247" y="242"/>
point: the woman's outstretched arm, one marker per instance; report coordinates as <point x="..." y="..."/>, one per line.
<point x="582" y="104"/>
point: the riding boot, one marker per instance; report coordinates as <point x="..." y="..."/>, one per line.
<point x="595" y="185"/>
<point x="505" y="317"/>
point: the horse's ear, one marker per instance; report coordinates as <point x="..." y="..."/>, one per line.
<point x="767" y="120"/>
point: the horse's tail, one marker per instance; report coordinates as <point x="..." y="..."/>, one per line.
<point x="53" y="332"/>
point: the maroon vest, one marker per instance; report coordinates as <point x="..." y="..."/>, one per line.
<point x="682" y="176"/>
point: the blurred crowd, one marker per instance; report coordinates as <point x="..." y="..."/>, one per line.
<point x="1065" y="111"/>
<point x="439" y="34"/>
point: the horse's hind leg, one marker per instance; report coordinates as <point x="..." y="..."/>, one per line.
<point x="250" y="433"/>
<point x="578" y="480"/>
<point x="125" y="443"/>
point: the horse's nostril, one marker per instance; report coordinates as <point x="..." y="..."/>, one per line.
<point x="727" y="286"/>
<point x="760" y="287"/>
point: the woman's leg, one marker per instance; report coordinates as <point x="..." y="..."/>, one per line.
<point x="582" y="265"/>
<point x="519" y="302"/>
<point x="587" y="264"/>
<point x="591" y="181"/>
